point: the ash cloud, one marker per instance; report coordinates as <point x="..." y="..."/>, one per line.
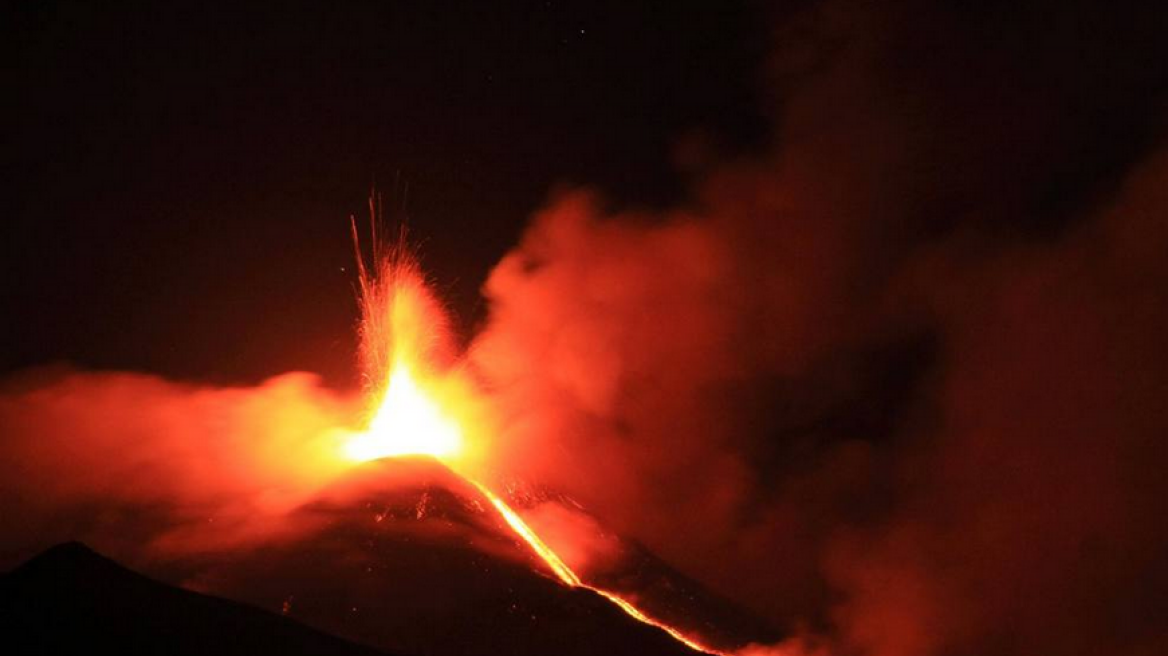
<point x="896" y="383"/>
<point x="147" y="469"/>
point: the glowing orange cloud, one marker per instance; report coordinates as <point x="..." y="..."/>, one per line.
<point x="420" y="408"/>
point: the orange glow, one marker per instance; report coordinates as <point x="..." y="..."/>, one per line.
<point x="422" y="408"/>
<point x="405" y="352"/>
<point x="571" y="579"/>
<point x="549" y="557"/>
<point x="407" y="423"/>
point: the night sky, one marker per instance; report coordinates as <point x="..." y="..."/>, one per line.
<point x="179" y="177"/>
<point x="852" y="312"/>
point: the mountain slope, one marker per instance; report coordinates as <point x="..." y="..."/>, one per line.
<point x="71" y="600"/>
<point x="403" y="556"/>
<point x="410" y="558"/>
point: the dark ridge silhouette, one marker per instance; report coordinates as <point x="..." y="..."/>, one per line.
<point x="72" y="600"/>
<point x="360" y="587"/>
<point x="405" y="558"/>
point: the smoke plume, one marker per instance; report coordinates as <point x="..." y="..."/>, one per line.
<point x="895" y="382"/>
<point x="144" y="468"/>
<point x="898" y="381"/>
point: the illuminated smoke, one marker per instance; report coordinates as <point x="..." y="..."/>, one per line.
<point x="896" y="383"/>
<point x="400" y="317"/>
<point x="142" y="468"/>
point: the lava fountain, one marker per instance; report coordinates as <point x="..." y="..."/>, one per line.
<point x="423" y="404"/>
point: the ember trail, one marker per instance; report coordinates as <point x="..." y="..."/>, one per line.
<point x="422" y="405"/>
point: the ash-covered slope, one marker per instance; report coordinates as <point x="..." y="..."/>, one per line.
<point x="668" y="595"/>
<point x="70" y="600"/>
<point x="402" y="556"/>
<point x="408" y="557"/>
<point x="660" y="590"/>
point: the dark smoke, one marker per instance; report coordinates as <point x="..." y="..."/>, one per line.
<point x="898" y="382"/>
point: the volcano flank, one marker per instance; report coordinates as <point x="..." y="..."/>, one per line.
<point x="406" y="556"/>
<point x="403" y="556"/>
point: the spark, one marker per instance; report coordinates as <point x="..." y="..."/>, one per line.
<point x="418" y="407"/>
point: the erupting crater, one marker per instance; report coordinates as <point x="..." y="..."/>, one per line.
<point x="423" y="405"/>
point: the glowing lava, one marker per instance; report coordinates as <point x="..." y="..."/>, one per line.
<point x="419" y="406"/>
<point x="408" y="423"/>
<point x="404" y="345"/>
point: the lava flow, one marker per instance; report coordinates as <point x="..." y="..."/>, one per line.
<point x="421" y="405"/>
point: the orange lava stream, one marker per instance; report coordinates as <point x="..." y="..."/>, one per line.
<point x="571" y="579"/>
<point x="365" y="446"/>
<point x="541" y="549"/>
<point x="421" y="408"/>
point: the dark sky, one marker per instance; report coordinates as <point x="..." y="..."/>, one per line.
<point x="873" y="293"/>
<point x="179" y="177"/>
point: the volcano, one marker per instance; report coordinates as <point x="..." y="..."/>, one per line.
<point x="406" y="556"/>
<point x="403" y="556"/>
<point x="389" y="534"/>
